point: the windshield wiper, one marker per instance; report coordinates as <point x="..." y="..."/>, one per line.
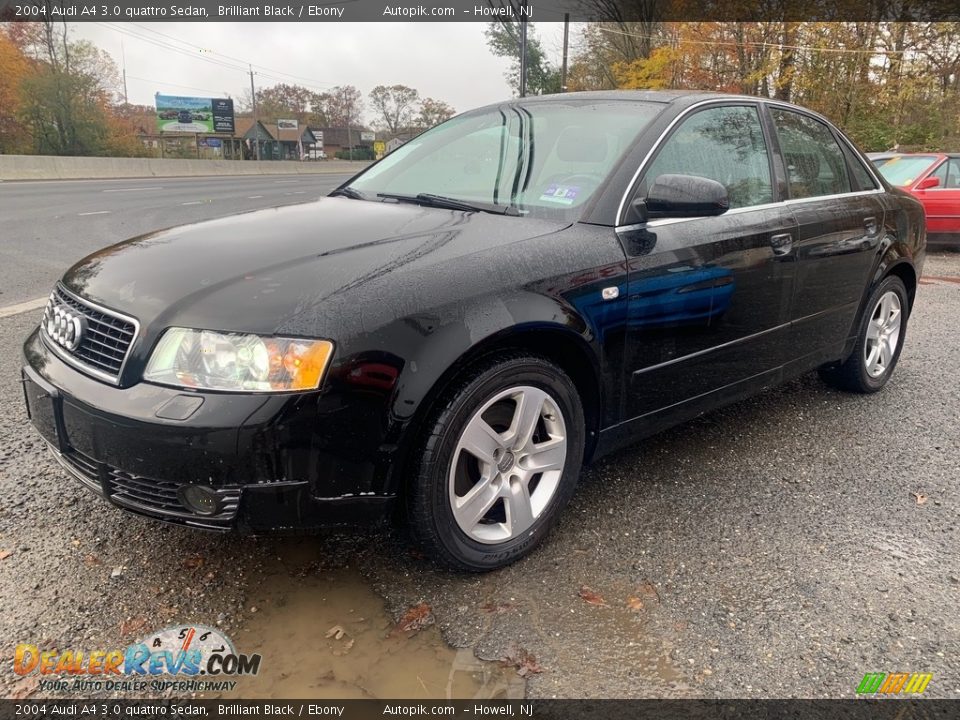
<point x="348" y="192"/>
<point x="440" y="201"/>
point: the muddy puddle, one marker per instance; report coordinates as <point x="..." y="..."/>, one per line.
<point x="325" y="634"/>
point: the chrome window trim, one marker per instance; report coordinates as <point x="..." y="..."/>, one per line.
<point x="80" y="365"/>
<point x="659" y="222"/>
<point x="755" y="102"/>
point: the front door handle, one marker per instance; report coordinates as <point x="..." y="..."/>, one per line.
<point x="782" y="243"/>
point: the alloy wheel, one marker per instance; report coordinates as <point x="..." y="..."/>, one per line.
<point x="507" y="464"/>
<point x="883" y="334"/>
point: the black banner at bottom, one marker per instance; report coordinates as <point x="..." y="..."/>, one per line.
<point x="860" y="709"/>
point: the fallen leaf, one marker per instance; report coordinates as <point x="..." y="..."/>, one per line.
<point x="131" y="626"/>
<point x="192" y="562"/>
<point x="634" y="603"/>
<point x="522" y="660"/>
<point x="592" y="597"/>
<point x="921" y="498"/>
<point x="345" y="648"/>
<point x="336" y="632"/>
<point x="91" y="560"/>
<point x="647" y="588"/>
<point x="416" y="618"/>
<point x="76" y="543"/>
<point x="25" y="688"/>
<point x="4" y="554"/>
<point x="497" y="608"/>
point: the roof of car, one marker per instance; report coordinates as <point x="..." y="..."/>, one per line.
<point x="682" y="98"/>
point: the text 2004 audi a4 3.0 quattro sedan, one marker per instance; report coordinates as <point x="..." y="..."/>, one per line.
<point x="460" y="327"/>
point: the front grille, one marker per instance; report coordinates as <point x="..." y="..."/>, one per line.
<point x="105" y="341"/>
<point x="85" y="469"/>
<point x="157" y="498"/>
<point x="160" y="497"/>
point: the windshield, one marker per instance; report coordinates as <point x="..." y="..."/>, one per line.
<point x="903" y="170"/>
<point x="542" y="159"/>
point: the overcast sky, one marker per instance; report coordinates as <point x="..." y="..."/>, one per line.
<point x="445" y="61"/>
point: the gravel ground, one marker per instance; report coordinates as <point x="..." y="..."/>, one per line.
<point x="776" y="548"/>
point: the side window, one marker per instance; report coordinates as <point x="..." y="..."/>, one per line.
<point x="952" y="180"/>
<point x="860" y="173"/>
<point x="815" y="163"/>
<point x="724" y="144"/>
<point x="941" y="174"/>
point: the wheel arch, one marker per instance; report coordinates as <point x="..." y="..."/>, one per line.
<point x="562" y="345"/>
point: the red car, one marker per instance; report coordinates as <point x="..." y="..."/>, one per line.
<point x="934" y="179"/>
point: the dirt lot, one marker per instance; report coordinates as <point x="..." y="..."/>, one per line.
<point x="779" y="548"/>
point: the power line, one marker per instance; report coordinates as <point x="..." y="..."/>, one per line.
<point x="780" y="46"/>
<point x="172" y="84"/>
<point x="230" y="57"/>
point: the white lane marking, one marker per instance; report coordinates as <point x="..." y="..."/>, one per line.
<point x="194" y="202"/>
<point x="300" y="192"/>
<point x="285" y="182"/>
<point x="154" y="187"/>
<point x="23" y="307"/>
<point x="254" y="197"/>
<point x="95" y="212"/>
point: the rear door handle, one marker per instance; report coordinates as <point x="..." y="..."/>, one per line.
<point x="870" y="224"/>
<point x="782" y="243"/>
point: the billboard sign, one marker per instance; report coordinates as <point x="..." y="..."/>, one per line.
<point x="366" y="136"/>
<point x="287" y="124"/>
<point x="192" y="114"/>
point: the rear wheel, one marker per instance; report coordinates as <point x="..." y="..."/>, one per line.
<point x="880" y="337"/>
<point x="499" y="460"/>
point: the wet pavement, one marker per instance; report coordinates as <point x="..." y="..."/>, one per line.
<point x="781" y="547"/>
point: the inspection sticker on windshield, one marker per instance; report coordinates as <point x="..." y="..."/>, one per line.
<point x="563" y="194"/>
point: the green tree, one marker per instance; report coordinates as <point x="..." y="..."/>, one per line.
<point x="503" y="39"/>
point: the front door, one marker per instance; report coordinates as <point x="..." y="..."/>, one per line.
<point x="709" y="297"/>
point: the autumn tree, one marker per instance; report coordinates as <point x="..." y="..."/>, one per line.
<point x="395" y="106"/>
<point x="14" y="68"/>
<point x="432" y="112"/>
<point x="342" y="106"/>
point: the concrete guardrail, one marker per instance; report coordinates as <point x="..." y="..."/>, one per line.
<point x="48" y="167"/>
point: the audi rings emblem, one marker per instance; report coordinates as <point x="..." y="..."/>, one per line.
<point x="65" y="327"/>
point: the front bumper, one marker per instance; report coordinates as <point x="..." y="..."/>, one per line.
<point x="277" y="463"/>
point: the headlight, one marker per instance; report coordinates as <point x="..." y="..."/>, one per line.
<point x="209" y="360"/>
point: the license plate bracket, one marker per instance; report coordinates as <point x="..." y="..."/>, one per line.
<point x="44" y="408"/>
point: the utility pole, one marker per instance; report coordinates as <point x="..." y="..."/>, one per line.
<point x="256" y="122"/>
<point x="566" y="43"/>
<point x="123" y="59"/>
<point x="523" y="54"/>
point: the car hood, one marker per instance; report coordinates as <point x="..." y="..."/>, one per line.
<point x="266" y="271"/>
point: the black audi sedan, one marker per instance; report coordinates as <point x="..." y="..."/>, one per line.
<point x="450" y="336"/>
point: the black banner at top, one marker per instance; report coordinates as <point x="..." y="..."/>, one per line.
<point x="616" y="11"/>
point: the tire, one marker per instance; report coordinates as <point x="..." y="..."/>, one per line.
<point x="474" y="505"/>
<point x="880" y="335"/>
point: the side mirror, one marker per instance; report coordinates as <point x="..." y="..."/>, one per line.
<point x="927" y="183"/>
<point x="686" y="196"/>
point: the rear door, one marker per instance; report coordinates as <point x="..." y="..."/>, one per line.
<point x="839" y="215"/>
<point x="709" y="297"/>
<point x="942" y="203"/>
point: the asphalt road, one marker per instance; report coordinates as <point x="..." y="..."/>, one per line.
<point x="47" y="226"/>
<point x="781" y="547"/>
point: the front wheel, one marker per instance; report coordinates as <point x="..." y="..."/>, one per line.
<point x="499" y="460"/>
<point x="880" y="337"/>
